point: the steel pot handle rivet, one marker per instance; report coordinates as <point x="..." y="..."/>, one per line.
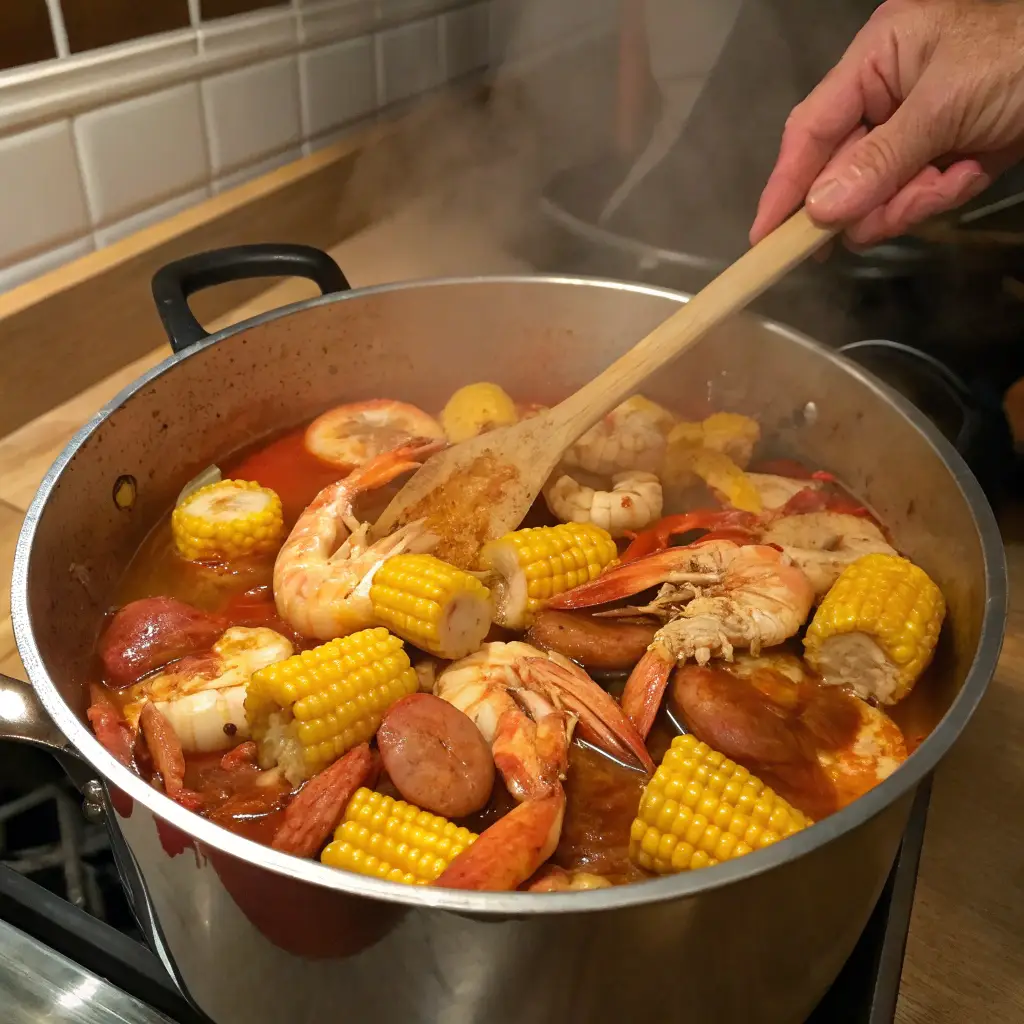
<point x="92" y="803"/>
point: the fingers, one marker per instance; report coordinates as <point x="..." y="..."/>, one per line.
<point x="870" y="173"/>
<point x="813" y="132"/>
<point x="927" y="194"/>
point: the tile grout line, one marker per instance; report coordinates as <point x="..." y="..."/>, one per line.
<point x="59" y="28"/>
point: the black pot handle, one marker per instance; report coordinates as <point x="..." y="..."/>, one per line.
<point x="956" y="386"/>
<point x="173" y="284"/>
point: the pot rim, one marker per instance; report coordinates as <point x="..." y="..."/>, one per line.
<point x="519" y="904"/>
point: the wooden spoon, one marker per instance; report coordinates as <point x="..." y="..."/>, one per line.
<point x="479" y="490"/>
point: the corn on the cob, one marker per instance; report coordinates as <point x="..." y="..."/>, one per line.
<point x="535" y="564"/>
<point x="228" y="519"/>
<point x="687" y="458"/>
<point x="699" y="809"/>
<point x="876" y="629"/>
<point x="433" y="605"/>
<point x="475" y="409"/>
<point x="729" y="433"/>
<point x="393" y="840"/>
<point x="732" y="434"/>
<point x="308" y="710"/>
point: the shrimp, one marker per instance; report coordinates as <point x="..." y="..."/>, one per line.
<point x="350" y="436"/>
<point x="202" y="696"/>
<point x="822" y="544"/>
<point x="527" y="705"/>
<point x="633" y="503"/>
<point x="715" y="596"/>
<point x="324" y="568"/>
<point x="820" y="748"/>
<point x="776" y="492"/>
<point x="507" y="687"/>
<point x="631" y="437"/>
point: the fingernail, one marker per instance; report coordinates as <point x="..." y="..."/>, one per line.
<point x="826" y="194"/>
<point x="973" y="185"/>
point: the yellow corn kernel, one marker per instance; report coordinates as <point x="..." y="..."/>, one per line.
<point x="732" y="434"/>
<point x="533" y="565"/>
<point x="688" y="458"/>
<point x="475" y="409"/>
<point x="876" y="629"/>
<point x="390" y="839"/>
<point x="432" y="604"/>
<point x="228" y="519"/>
<point x="728" y="433"/>
<point x="700" y="809"/>
<point x="308" y="710"/>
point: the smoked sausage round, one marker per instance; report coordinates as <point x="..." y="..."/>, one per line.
<point x="435" y="756"/>
<point x="602" y="644"/>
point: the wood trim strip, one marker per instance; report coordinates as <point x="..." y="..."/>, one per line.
<point x="76" y="325"/>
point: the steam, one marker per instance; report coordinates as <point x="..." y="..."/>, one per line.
<point x="718" y="78"/>
<point x="684" y="41"/>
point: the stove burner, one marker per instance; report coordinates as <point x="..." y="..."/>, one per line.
<point x="77" y="841"/>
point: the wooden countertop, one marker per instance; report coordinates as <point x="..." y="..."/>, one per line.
<point x="966" y="945"/>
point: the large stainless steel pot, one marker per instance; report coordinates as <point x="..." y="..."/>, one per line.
<point x="256" y="937"/>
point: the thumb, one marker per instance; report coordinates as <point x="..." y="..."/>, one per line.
<point x="870" y="172"/>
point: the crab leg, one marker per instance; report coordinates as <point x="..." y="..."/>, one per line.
<point x="511" y="850"/>
<point x="659" y="536"/>
<point x="674" y="565"/>
<point x="645" y="689"/>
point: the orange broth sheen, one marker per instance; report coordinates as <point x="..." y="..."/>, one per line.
<point x="602" y="795"/>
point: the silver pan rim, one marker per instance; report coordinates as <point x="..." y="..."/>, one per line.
<point x="518" y="904"/>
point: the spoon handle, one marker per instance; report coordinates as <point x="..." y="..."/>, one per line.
<point x="738" y="285"/>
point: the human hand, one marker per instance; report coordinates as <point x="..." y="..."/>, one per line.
<point x="924" y="110"/>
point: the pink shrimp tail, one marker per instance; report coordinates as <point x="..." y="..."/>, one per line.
<point x="385" y="467"/>
<point x="600" y="719"/>
<point x="645" y="688"/>
<point x="531" y="757"/>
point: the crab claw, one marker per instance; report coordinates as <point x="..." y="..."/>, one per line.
<point x="511" y="850"/>
<point x="601" y="720"/>
<point x="659" y="536"/>
<point x="645" y="689"/>
<point x="674" y="565"/>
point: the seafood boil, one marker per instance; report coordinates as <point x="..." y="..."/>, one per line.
<point x="687" y="653"/>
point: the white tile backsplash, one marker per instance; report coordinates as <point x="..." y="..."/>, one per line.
<point x="26" y="270"/>
<point x="410" y="57"/>
<point x="138" y="153"/>
<point x="405" y="10"/>
<point x="321" y="20"/>
<point x="338" y="134"/>
<point x="41" y="199"/>
<point x="272" y="27"/>
<point x="145" y="219"/>
<point x="230" y="181"/>
<point x="252" y="113"/>
<point x="465" y="39"/>
<point x="137" y="133"/>
<point x="338" y="84"/>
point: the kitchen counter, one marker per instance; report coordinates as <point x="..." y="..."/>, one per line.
<point x="966" y="941"/>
